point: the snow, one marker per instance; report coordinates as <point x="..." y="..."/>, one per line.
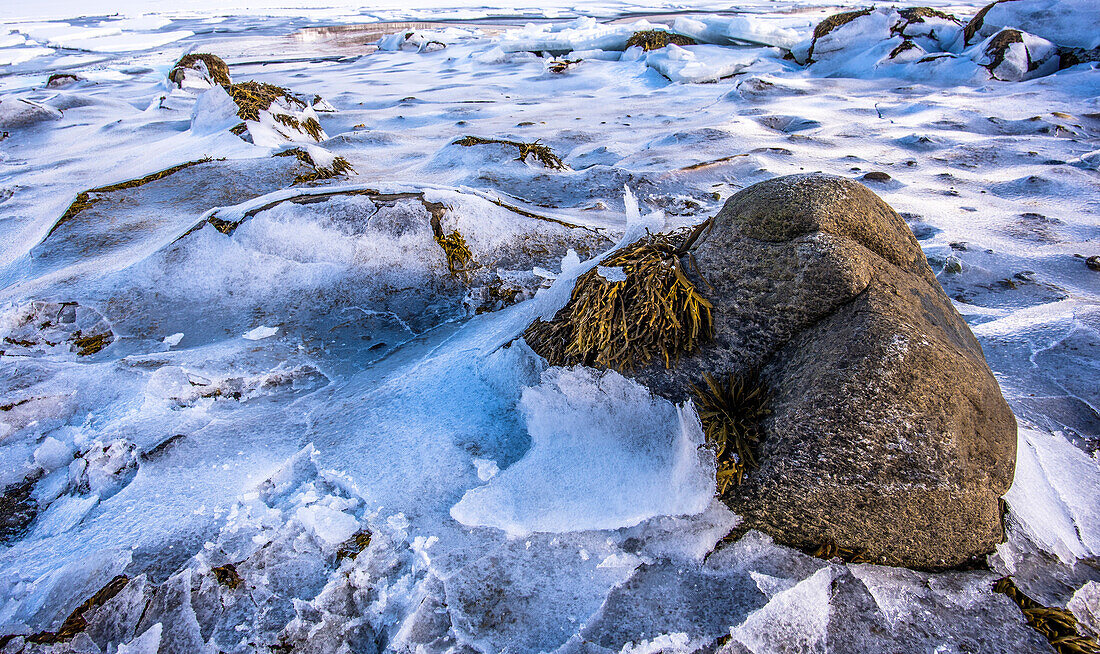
<point x="510" y="506"/>
<point x="1070" y="23"/>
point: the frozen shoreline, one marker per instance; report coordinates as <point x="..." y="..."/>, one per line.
<point x="329" y="380"/>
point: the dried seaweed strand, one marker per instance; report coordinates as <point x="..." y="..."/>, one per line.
<point x="85" y="200"/>
<point x="542" y="153"/>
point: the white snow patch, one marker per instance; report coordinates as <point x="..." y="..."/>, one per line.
<point x="260" y="333"/>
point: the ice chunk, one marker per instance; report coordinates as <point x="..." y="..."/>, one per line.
<point x="170" y="383"/>
<point x="532" y="595"/>
<point x="146" y="643"/>
<point x="64" y="514"/>
<point x="260" y="333"/>
<point x="173" y="340"/>
<point x="1085" y="606"/>
<point x="486" y="469"/>
<point x="605" y="454"/>
<point x="1054" y="495"/>
<point x="612" y="273"/>
<point x="213" y="112"/>
<point x="331" y="527"/>
<point x="794" y="620"/>
<point x="681" y="538"/>
<point x="52" y="454"/>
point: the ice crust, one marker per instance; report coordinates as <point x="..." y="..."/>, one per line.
<point x="510" y="506"/>
<point x="604" y="454"/>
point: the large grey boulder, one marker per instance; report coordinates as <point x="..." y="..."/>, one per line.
<point x="888" y="433"/>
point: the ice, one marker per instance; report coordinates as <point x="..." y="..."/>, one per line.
<point x="794" y="619"/>
<point x="52" y="454"/>
<point x="605" y="454"/>
<point x="1069" y="23"/>
<point x="1054" y="494"/>
<point x="486" y="469"/>
<point x="260" y="333"/>
<point x="330" y="526"/>
<point x="214" y="111"/>
<point x="1085" y="606"/>
<point x="611" y="274"/>
<point x="186" y="440"/>
<point x="63" y="515"/>
<point x="146" y="643"/>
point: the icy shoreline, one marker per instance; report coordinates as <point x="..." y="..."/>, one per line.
<point x="269" y="393"/>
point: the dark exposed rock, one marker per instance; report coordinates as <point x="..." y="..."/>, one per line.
<point x="61" y="80"/>
<point x="974" y="27"/>
<point x="831" y="23"/>
<point x="877" y="176"/>
<point x="17" y="508"/>
<point x="997" y="48"/>
<point x="1073" y="56"/>
<point x="888" y="433"/>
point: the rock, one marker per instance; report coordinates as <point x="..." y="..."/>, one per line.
<point x="1011" y="56"/>
<point x="61" y="80"/>
<point x="17" y="113"/>
<point x="1093" y="263"/>
<point x="876" y="176"/>
<point x="888" y="433"/>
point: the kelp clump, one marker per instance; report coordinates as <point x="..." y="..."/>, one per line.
<point x="649" y="310"/>
<point x="732" y="414"/>
<point x="540" y="152"/>
<point x="338" y="166"/>
<point x="1057" y="625"/>
<point x="459" y="258"/>
<point x="286" y="109"/>
<point x="211" y="66"/>
<point x="657" y="39"/>
<point x="253" y="97"/>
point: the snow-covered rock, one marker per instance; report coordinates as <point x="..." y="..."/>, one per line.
<point x="1068" y="23"/>
<point x="16" y="113"/>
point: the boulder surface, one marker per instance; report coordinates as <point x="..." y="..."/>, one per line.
<point x="888" y="433"/>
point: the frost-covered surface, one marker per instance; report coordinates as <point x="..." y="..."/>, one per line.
<point x="261" y="398"/>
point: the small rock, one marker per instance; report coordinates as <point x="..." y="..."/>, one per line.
<point x="1093" y="263"/>
<point x="876" y="176"/>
